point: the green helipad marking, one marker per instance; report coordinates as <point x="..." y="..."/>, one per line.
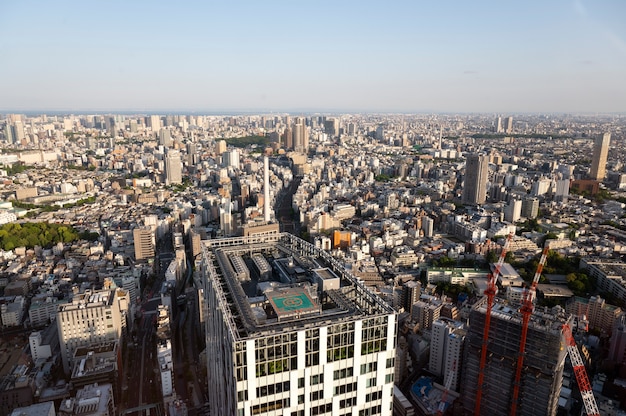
<point x="292" y="302"/>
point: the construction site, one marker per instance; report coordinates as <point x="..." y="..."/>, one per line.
<point x="542" y="373"/>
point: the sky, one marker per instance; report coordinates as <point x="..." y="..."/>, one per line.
<point x="558" y="56"/>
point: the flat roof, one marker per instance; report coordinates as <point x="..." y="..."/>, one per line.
<point x="258" y="308"/>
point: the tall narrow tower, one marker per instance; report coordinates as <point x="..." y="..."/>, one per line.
<point x="266" y="189"/>
<point x="475" y="188"/>
<point x="600" y="154"/>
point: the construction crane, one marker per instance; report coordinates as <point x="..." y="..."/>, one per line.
<point x="526" y="310"/>
<point x="444" y="396"/>
<point x="490" y="292"/>
<point x="591" y="408"/>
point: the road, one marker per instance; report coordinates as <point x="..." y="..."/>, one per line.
<point x="283" y="208"/>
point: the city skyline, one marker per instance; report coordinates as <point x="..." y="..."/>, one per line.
<point x="566" y="56"/>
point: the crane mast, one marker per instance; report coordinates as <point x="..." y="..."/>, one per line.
<point x="591" y="408"/>
<point x="490" y="292"/>
<point x="526" y="310"/>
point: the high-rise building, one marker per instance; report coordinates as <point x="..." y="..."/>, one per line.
<point x="8" y="133"/>
<point x="288" y="138"/>
<point x="155" y="123"/>
<point x="600" y="154"/>
<point x="446" y="346"/>
<point x="499" y="128"/>
<point x="143" y="238"/>
<point x="173" y="167"/>
<point x="91" y="318"/>
<point x="508" y="125"/>
<point x="530" y="207"/>
<point x="475" y="187"/>
<point x="411" y="291"/>
<point x="324" y="346"/>
<point x="513" y="210"/>
<point x="544" y="360"/>
<point x="165" y="139"/>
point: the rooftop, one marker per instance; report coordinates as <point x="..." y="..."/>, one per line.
<point x="292" y="296"/>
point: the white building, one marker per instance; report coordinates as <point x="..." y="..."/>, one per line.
<point x="295" y="349"/>
<point x="37" y="350"/>
<point x="164" y="355"/>
<point x="445" y="350"/>
<point x="91" y="318"/>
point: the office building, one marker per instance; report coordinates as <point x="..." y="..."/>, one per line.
<point x="542" y="376"/>
<point x="144" y="242"/>
<point x="530" y="207"/>
<point x="600" y="154"/>
<point x="155" y="123"/>
<point x="475" y="187"/>
<point x="513" y="210"/>
<point x="508" y="125"/>
<point x="165" y="139"/>
<point x="499" y="128"/>
<point x="309" y="341"/>
<point x="173" y="168"/>
<point x="91" y="318"/>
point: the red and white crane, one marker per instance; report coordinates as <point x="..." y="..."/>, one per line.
<point x="591" y="408"/>
<point x="490" y="292"/>
<point x="526" y="310"/>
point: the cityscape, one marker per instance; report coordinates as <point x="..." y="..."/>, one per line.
<point x="352" y="208"/>
<point x="313" y="264"/>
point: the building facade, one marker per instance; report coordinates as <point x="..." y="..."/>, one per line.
<point x="600" y="154"/>
<point x="91" y="318"/>
<point x="290" y="345"/>
<point x="475" y="187"/>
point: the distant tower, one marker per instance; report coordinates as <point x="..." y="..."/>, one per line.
<point x="173" y="167"/>
<point x="499" y="128"/>
<point x="508" y="125"/>
<point x="600" y="153"/>
<point x="475" y="188"/>
<point x="266" y="189"/>
<point x="155" y="123"/>
<point x="288" y="138"/>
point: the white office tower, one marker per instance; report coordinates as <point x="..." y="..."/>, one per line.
<point x="291" y="346"/>
<point x="266" y="189"/>
<point x="91" y="318"/>
<point x="445" y="350"/>
<point x="173" y="168"/>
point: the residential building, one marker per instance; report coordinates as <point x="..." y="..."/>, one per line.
<point x="475" y="188"/>
<point x="600" y="154"/>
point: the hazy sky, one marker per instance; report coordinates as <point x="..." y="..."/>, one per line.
<point x="380" y="56"/>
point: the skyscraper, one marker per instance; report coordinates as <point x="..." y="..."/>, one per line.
<point x="266" y="189"/>
<point x="600" y="154"/>
<point x="173" y="168"/>
<point x="542" y="375"/>
<point x="475" y="188"/>
<point x="287" y="346"/>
